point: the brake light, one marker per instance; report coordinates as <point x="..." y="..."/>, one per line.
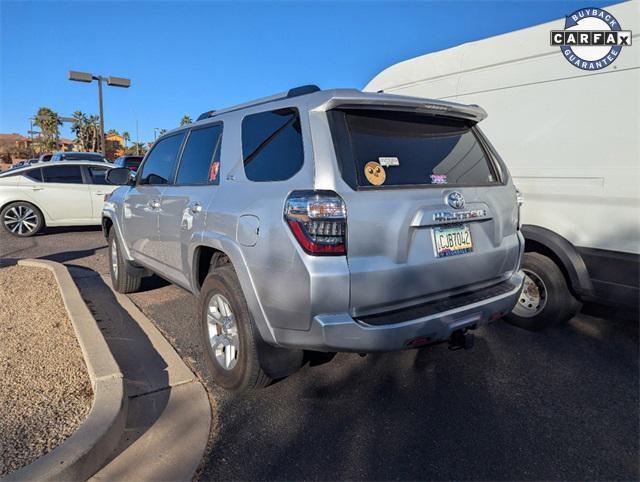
<point x="318" y="220"/>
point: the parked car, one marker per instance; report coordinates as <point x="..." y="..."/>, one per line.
<point x="40" y="195"/>
<point x="322" y="220"/>
<point x="78" y="156"/>
<point x="45" y="157"/>
<point x="580" y="221"/>
<point x="130" y="162"/>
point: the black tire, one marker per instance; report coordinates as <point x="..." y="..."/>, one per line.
<point x="123" y="281"/>
<point x="33" y="217"/>
<point x="558" y="304"/>
<point x="246" y="373"/>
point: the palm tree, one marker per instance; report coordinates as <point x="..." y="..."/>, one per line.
<point x="93" y="127"/>
<point x="49" y="123"/>
<point x="127" y="137"/>
<point x="137" y="148"/>
<point x="79" y="128"/>
<point x="185" y="120"/>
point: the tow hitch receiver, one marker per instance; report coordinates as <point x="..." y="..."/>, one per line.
<point x="459" y="339"/>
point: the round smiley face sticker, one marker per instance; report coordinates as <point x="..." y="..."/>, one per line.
<point x="374" y="173"/>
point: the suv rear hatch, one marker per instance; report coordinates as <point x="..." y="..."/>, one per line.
<point x="429" y="212"/>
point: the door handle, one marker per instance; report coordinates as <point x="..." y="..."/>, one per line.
<point x="36" y="188"/>
<point x="154" y="204"/>
<point x="100" y="193"/>
<point x="195" y="207"/>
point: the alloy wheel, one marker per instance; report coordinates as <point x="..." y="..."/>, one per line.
<point x="223" y="332"/>
<point x="114" y="259"/>
<point x="21" y="219"/>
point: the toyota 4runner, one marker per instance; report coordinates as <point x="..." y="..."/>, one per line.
<point x="322" y="220"/>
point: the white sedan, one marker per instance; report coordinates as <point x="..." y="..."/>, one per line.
<point x="69" y="193"/>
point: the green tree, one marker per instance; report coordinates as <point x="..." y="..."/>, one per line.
<point x="185" y="120"/>
<point x="49" y="123"/>
<point x="137" y="149"/>
<point x="127" y="137"/>
<point x="93" y="131"/>
<point x="79" y="129"/>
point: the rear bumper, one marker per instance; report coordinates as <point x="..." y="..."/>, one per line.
<point x="429" y="323"/>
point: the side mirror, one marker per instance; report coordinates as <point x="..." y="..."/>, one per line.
<point x="120" y="176"/>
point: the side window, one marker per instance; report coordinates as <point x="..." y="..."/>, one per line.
<point x="62" y="174"/>
<point x="98" y="175"/>
<point x="200" y="162"/>
<point x="272" y="145"/>
<point x="158" y="168"/>
<point x="33" y="174"/>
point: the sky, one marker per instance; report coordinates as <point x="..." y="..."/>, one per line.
<point x="190" y="57"/>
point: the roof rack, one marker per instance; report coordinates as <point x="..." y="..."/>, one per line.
<point x="205" y="115"/>
<point x="295" y="92"/>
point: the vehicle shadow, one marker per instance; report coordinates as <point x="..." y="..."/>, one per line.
<point x="47" y="231"/>
<point x="519" y="405"/>
<point x="144" y="369"/>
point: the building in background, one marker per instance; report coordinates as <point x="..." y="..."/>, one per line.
<point x="114" y="145"/>
<point x="16" y="147"/>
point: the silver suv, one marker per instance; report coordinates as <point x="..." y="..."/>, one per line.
<point x="322" y="220"/>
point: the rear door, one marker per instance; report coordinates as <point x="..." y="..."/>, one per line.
<point x="98" y="186"/>
<point x="141" y="206"/>
<point x="62" y="194"/>
<point x="182" y="211"/>
<point x="429" y="213"/>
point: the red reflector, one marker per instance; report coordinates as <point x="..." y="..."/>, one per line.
<point x="311" y="247"/>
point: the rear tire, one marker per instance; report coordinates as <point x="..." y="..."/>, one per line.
<point x="21" y="219"/>
<point x="545" y="299"/>
<point x="122" y="279"/>
<point x="229" y="335"/>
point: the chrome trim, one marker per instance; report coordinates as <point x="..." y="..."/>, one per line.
<point x="455" y="216"/>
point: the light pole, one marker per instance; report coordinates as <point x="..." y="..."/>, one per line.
<point x="112" y="81"/>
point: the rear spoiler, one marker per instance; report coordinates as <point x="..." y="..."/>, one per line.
<point x="470" y="112"/>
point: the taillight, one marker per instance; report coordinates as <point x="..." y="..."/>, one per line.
<point x="318" y="220"/>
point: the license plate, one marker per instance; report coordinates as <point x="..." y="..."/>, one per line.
<point x="452" y="240"/>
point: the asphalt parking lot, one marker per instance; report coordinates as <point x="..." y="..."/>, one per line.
<point x="558" y="405"/>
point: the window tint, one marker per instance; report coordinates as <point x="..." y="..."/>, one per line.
<point x="200" y="162"/>
<point x="272" y="145"/>
<point x="132" y="162"/>
<point x="158" y="168"/>
<point x="84" y="156"/>
<point x="33" y="174"/>
<point x="409" y="149"/>
<point x="63" y="174"/>
<point x="98" y="175"/>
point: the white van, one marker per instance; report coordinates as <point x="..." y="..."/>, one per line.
<point x="571" y="140"/>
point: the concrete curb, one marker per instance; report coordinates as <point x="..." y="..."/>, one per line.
<point x="185" y="418"/>
<point x="84" y="452"/>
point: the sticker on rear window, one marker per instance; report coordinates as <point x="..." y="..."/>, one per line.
<point x="374" y="173"/>
<point x="438" y="178"/>
<point x="389" y="161"/>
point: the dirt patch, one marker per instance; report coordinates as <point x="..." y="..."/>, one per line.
<point x="45" y="391"/>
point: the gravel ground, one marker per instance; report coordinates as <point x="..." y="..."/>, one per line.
<point x="45" y="392"/>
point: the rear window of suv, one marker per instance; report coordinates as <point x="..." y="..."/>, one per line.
<point x="378" y="148"/>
